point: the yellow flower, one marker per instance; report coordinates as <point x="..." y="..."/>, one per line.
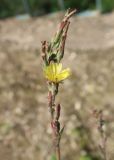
<point x="54" y="72"/>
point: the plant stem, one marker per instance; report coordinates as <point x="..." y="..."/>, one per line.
<point x="55" y="121"/>
<point x="58" y="153"/>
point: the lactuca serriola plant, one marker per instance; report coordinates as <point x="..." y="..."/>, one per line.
<point x="52" y="54"/>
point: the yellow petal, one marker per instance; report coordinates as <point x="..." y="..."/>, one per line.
<point x="59" y="68"/>
<point x="64" y="74"/>
<point x="52" y="68"/>
<point x="48" y="73"/>
<point x="53" y="72"/>
<point x="56" y="68"/>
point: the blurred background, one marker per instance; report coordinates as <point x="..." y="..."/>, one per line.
<point x="25" y="132"/>
<point x="41" y="7"/>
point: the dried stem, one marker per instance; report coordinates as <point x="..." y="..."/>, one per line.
<point x="101" y="124"/>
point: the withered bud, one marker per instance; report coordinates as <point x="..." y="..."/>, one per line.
<point x="43" y="46"/>
<point x="58" y="110"/>
<point x="43" y="54"/>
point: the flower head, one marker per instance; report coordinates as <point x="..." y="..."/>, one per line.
<point x="54" y="72"/>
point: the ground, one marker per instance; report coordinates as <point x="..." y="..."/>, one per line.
<point x="24" y="119"/>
